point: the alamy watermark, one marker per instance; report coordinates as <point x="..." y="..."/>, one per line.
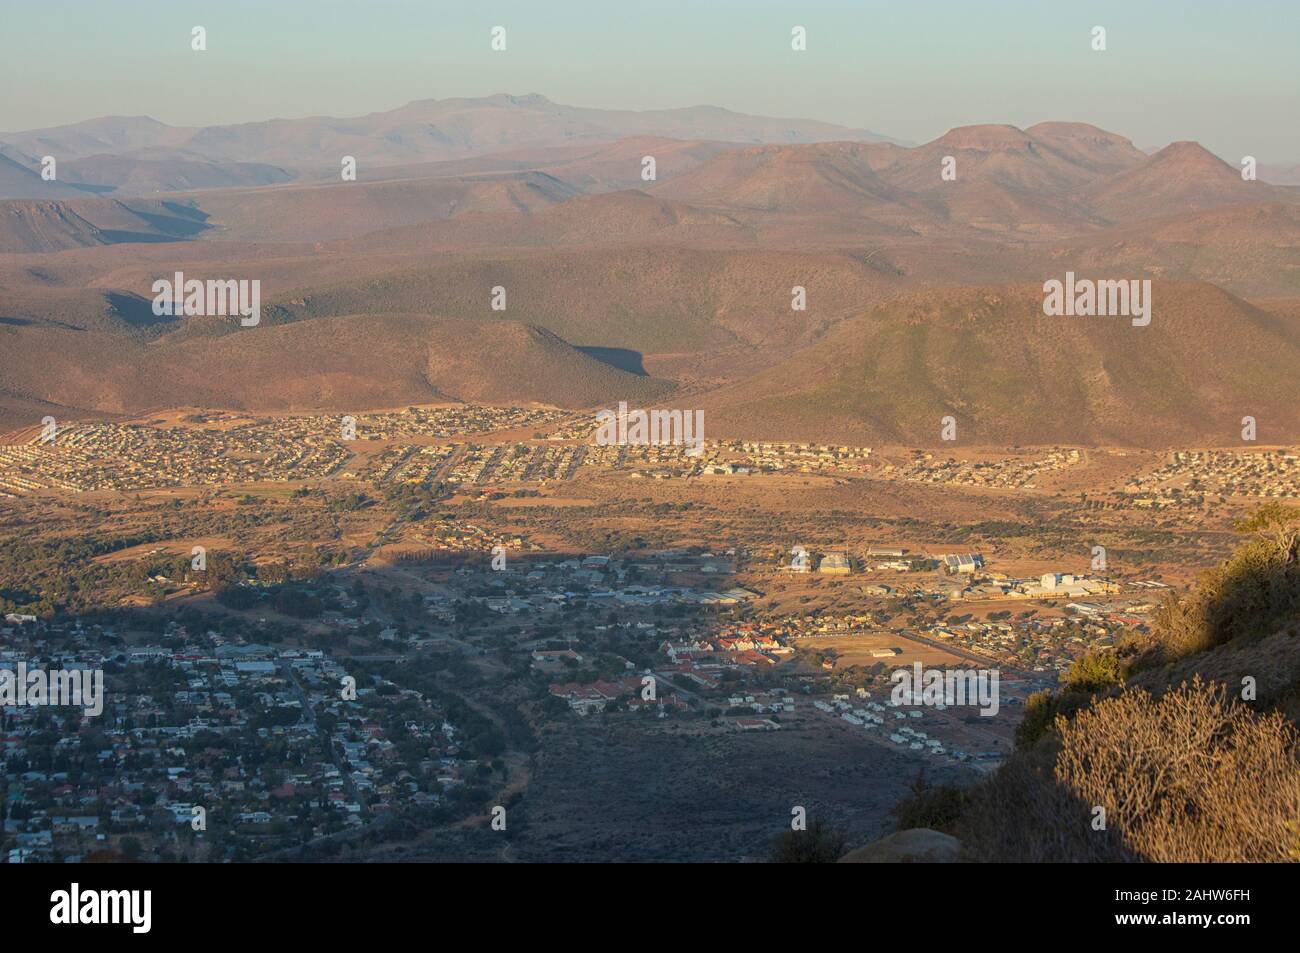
<point x="953" y="686"/>
<point x="194" y="298"/>
<point x="76" y="906"/>
<point x="1085" y="298"/>
<point x="71" y="688"/>
<point x="651" y="428"/>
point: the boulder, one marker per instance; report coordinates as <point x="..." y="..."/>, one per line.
<point x="920" y="845"/>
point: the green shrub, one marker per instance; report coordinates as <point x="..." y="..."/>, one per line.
<point x="1097" y="671"/>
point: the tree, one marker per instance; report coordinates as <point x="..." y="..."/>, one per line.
<point x="937" y="807"/>
<point x="1277" y="524"/>
<point x="819" y="844"/>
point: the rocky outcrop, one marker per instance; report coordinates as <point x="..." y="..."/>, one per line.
<point x="920" y="845"/>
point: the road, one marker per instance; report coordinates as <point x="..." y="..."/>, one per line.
<point x="957" y="650"/>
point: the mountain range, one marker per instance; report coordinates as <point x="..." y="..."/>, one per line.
<point x="921" y="266"/>
<point x="153" y="156"/>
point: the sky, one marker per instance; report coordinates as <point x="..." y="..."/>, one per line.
<point x="1217" y="71"/>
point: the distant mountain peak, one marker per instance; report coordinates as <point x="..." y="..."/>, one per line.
<point x="1186" y="152"/>
<point x="1072" y="130"/>
<point x="992" y="137"/>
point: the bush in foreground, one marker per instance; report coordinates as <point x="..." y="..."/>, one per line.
<point x="1190" y="776"/>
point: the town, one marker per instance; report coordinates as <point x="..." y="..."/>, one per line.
<point x="323" y="634"/>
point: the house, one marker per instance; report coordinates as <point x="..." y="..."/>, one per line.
<point x="962" y="563"/>
<point x="1057" y="580"/>
<point x="835" y="564"/>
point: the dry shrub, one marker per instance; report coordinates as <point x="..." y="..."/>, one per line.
<point x="1021" y="815"/>
<point x="1252" y="594"/>
<point x="1189" y="776"/>
<point x="1043" y="709"/>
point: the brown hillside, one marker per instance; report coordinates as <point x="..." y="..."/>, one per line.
<point x="350" y="362"/>
<point x="36" y="226"/>
<point x="348" y="209"/>
<point x="1010" y="374"/>
<point x="1182" y="177"/>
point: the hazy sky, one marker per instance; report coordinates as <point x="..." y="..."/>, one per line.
<point x="1222" y="72"/>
